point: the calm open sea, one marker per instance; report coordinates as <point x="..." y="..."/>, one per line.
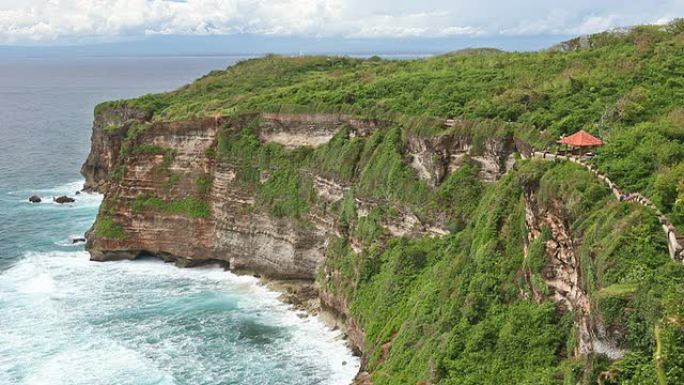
<point x="66" y="320"/>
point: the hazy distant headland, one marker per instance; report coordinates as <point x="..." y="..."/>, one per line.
<point x="260" y="45"/>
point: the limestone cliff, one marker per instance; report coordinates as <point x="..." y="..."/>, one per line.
<point x="133" y="158"/>
<point x="562" y="275"/>
<point x="151" y="172"/>
<point x="172" y="190"/>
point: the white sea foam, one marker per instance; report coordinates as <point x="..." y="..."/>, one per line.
<point x="83" y="199"/>
<point x="69" y="241"/>
<point x="67" y="320"/>
<point x="41" y="283"/>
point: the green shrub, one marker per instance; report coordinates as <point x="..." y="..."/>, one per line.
<point x="203" y="184"/>
<point x="191" y="207"/>
<point x="106" y="227"/>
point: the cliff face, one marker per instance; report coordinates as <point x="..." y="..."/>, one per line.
<point x="233" y="231"/>
<point x="186" y="192"/>
<point x="435" y="158"/>
<point x="132" y="160"/>
<point x="167" y="194"/>
<point x="562" y="275"/>
<point x="105" y="148"/>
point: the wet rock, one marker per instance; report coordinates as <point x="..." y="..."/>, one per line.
<point x="76" y="240"/>
<point x="64" y="199"/>
<point x="363" y="378"/>
<point x="35" y="199"/>
<point x="78" y="193"/>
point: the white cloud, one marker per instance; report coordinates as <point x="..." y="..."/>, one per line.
<point x="84" y="20"/>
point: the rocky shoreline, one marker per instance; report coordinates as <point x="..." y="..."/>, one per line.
<point x="167" y="194"/>
<point x="303" y="297"/>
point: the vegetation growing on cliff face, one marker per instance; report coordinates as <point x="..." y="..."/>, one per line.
<point x="106" y="228"/>
<point x="458" y="310"/>
<point x="268" y="170"/>
<point x="624" y="86"/>
<point x="375" y="166"/>
<point x="466" y="308"/>
<point x="192" y="207"/>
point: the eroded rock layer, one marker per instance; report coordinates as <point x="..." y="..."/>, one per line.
<point x="140" y="165"/>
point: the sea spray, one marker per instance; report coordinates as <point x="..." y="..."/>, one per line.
<point x="66" y="320"/>
<point x="147" y="322"/>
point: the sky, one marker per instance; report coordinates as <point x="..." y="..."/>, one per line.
<point x="85" y="22"/>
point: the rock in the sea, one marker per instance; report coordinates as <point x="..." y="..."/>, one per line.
<point x="64" y="199"/>
<point x="35" y="199"/>
<point x="78" y="193"/>
<point x="76" y="240"/>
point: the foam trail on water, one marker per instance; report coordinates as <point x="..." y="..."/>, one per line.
<point x="67" y="320"/>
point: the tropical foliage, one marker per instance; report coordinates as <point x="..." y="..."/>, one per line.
<point x="459" y="309"/>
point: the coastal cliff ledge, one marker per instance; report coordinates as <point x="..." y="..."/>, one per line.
<point x="174" y="190"/>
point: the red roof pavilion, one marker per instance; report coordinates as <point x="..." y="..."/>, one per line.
<point x="581" y="139"/>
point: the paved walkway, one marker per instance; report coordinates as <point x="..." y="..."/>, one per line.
<point x="674" y="240"/>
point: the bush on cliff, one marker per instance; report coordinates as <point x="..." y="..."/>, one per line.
<point x="625" y="87"/>
<point x="466" y="308"/>
<point x="454" y="310"/>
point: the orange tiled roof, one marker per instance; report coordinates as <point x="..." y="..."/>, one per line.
<point x="581" y="139"/>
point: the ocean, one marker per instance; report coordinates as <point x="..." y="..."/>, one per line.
<point x="66" y="320"/>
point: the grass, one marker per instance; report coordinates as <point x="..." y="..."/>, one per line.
<point x="620" y="290"/>
<point x="624" y="87"/>
<point x="106" y="228"/>
<point x="191" y="207"/>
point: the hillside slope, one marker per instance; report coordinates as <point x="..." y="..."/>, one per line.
<point x="449" y="259"/>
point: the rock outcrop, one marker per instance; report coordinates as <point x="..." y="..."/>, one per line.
<point x="296" y="130"/>
<point x="563" y="278"/>
<point x="138" y="164"/>
<point x="433" y="158"/>
<point x="63" y="199"/>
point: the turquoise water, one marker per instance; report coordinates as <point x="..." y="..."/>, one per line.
<point x="66" y="320"/>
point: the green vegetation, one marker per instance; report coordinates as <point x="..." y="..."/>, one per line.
<point x="171" y="181"/>
<point x="191" y="207"/>
<point x="104" y="224"/>
<point x="269" y="170"/>
<point x="385" y="175"/>
<point x="203" y="185"/>
<point x="471" y="307"/>
<point x="450" y="310"/>
<point x="106" y="228"/>
<point x="150" y="149"/>
<point x="375" y="165"/>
